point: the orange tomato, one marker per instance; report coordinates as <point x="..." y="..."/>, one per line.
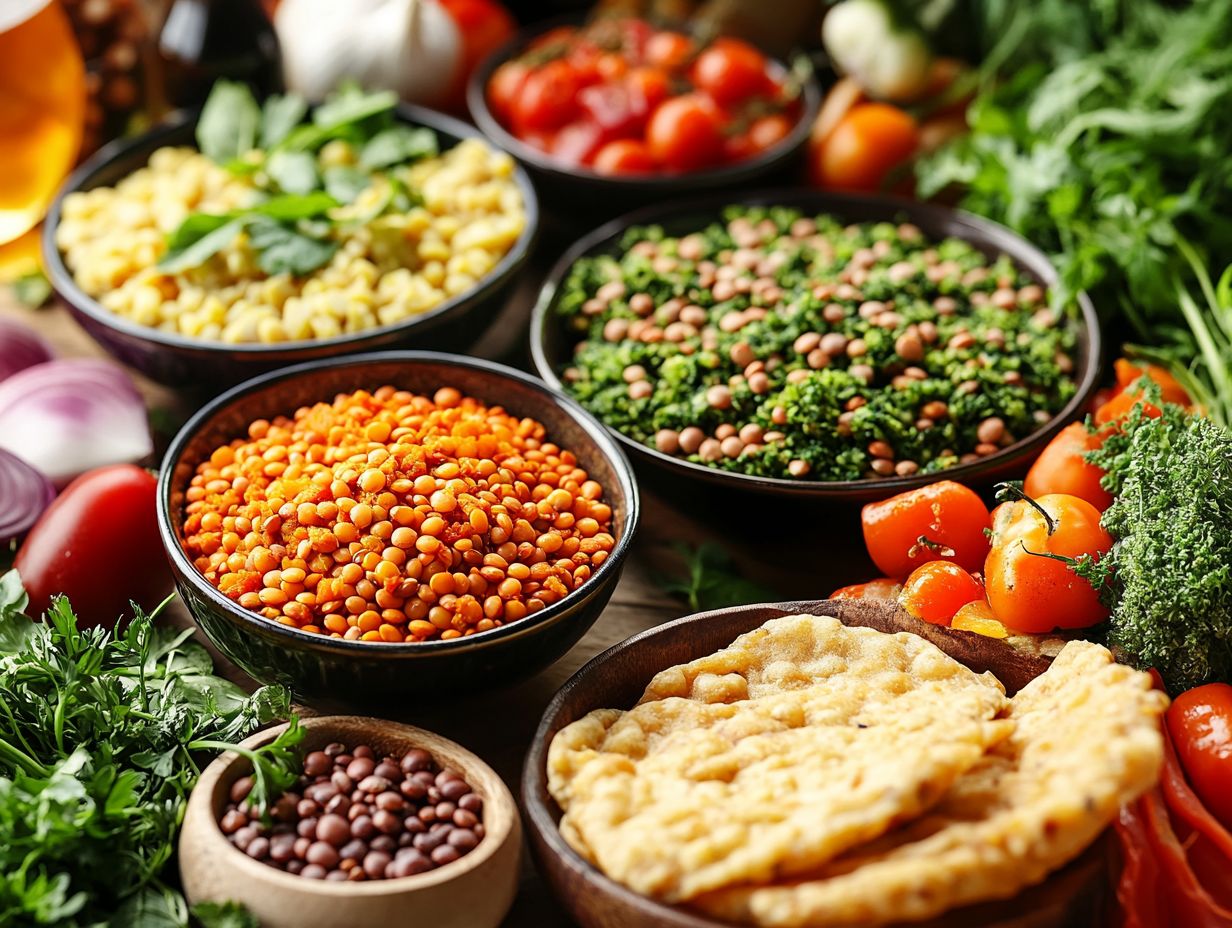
<point x="977" y="616"/>
<point x="881" y="588"/>
<point x="949" y="517"/>
<point x="768" y="131"/>
<point x="865" y="146"/>
<point x="731" y="71"/>
<point x="669" y="50"/>
<point x="625" y="156"/>
<point x="1027" y="589"/>
<point x="1200" y="723"/>
<point x="1121" y="405"/>
<point x="1171" y="390"/>
<point x="1061" y="468"/>
<point x="937" y="590"/>
<point x="686" y="133"/>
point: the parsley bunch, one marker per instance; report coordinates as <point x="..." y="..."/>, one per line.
<point x="99" y="731"/>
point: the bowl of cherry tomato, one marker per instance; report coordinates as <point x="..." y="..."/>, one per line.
<point x="618" y="112"/>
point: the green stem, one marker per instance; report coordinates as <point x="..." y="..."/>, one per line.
<point x="1010" y="491"/>
<point x="20" y="759"/>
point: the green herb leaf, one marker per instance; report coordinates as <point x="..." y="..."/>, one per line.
<point x="279" y="116"/>
<point x="294" y="172"/>
<point x="344" y="184"/>
<point x="711" y="581"/>
<point x="197" y="239"/>
<point x="291" y="207"/>
<point x="230" y="122"/>
<point x="283" y="250"/>
<point x="33" y="289"/>
<point x="398" y="145"/>
<point x="350" y="105"/>
<point x="224" y="915"/>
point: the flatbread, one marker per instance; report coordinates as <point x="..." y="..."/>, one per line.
<point x="1086" y="741"/>
<point x="802" y="739"/>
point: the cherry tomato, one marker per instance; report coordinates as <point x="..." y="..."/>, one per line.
<point x="548" y="98"/>
<point x="731" y="71"/>
<point x="98" y="544"/>
<point x="577" y="143"/>
<point x="1200" y="723"/>
<point x="949" y="517"/>
<point x="1170" y="388"/>
<point x="937" y="590"/>
<point x="977" y="616"/>
<point x="686" y="133"/>
<point x="1061" y="468"/>
<point x="865" y="146"/>
<point x="1031" y="592"/>
<point x="504" y="87"/>
<point x="768" y="131"/>
<point x="611" y="66"/>
<point x="669" y="50"/>
<point x="484" y="26"/>
<point x="1100" y="397"/>
<point x="647" y="86"/>
<point x="635" y="34"/>
<point x="625" y="156"/>
<point x="881" y="588"/>
<point x="614" y="109"/>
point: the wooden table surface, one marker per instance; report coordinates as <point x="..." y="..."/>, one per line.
<point x="794" y="555"/>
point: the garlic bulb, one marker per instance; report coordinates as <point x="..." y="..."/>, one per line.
<point x="412" y="47"/>
<point x="889" y="61"/>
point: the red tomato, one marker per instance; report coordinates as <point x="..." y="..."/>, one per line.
<point x="866" y="145"/>
<point x="634" y="36"/>
<point x="1028" y="590"/>
<point x="625" y="156"/>
<point x="98" y="544"/>
<point x="614" y="109"/>
<point x="731" y="71"/>
<point x="669" y="50"/>
<point x="686" y="133"/>
<point x="484" y="26"/>
<point x="949" y="517"/>
<point x="547" y="99"/>
<point x="937" y="590"/>
<point x="611" y="66"/>
<point x="1200" y="723"/>
<point x="881" y="588"/>
<point x="769" y="131"/>
<point x="1061" y="468"/>
<point x="647" y="86"/>
<point x="504" y="87"/>
<point x="576" y="143"/>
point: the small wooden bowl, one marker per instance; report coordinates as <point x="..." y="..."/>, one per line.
<point x="474" y="891"/>
<point x="1073" y="897"/>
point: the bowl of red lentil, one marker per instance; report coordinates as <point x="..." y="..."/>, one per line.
<point x="353" y="840"/>
<point x="816" y="346"/>
<point x="395" y="524"/>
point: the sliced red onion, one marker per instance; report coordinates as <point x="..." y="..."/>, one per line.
<point x="24" y="494"/>
<point x="69" y="416"/>
<point x="20" y="347"/>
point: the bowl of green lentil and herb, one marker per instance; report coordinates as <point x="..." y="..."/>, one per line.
<point x="812" y="344"/>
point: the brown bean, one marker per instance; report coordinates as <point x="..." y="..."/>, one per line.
<point x="906" y="468"/>
<point x="962" y="340"/>
<point x="719" y="397"/>
<point x="317" y="763"/>
<point x="731" y="446"/>
<point x="882" y="467"/>
<point x="759" y="383"/>
<point x="798" y="467"/>
<point x="991" y="430"/>
<point x="691" y="439"/>
<point x="817" y="359"/>
<point x="667" y="441"/>
<point x="834" y="313"/>
<point x="880" y="449"/>
<point x="633" y="373"/>
<point x="856" y="348"/>
<point x="909" y="347"/>
<point x="322" y="854"/>
<point x="640" y="390"/>
<point x="778" y="415"/>
<point x="862" y="372"/>
<point x="742" y="354"/>
<point x="983" y="449"/>
<point x="833" y="343"/>
<point x="945" y="305"/>
<point x="806" y="342"/>
<point x="710" y="450"/>
<point x="934" y="409"/>
<point x="615" y="330"/>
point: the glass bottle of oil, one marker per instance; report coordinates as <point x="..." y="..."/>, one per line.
<point x="204" y="40"/>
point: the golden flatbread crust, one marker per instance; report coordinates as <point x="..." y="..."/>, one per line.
<point x="1086" y="741"/>
<point x="802" y="739"/>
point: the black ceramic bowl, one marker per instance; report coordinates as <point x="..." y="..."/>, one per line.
<point x="584" y="193"/>
<point x="181" y="361"/>
<point x="332" y="672"/>
<point x="551" y="346"/>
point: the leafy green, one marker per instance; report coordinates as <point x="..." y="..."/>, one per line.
<point x="197" y="239"/>
<point x="224" y="915"/>
<point x="710" y="580"/>
<point x="98" y="735"/>
<point x="32" y="289"/>
<point x="293" y="171"/>
<point x="281" y="249"/>
<point x="279" y="115"/>
<point x="1169" y="574"/>
<point x="230" y="122"/>
<point x="398" y="145"/>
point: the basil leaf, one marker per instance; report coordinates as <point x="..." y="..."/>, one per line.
<point x="292" y="206"/>
<point x="229" y="123"/>
<point x="304" y="138"/>
<point x="344" y="184"/>
<point x="398" y="145"/>
<point x="224" y="915"/>
<point x="352" y="106"/>
<point x="283" y="250"/>
<point x="199" y="238"/>
<point x="279" y="116"/>
<point x="294" y="171"/>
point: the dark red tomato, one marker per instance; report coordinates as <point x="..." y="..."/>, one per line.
<point x="485" y="26"/>
<point x="769" y="131"/>
<point x="647" y="86"/>
<point x="686" y="133"/>
<point x="625" y="156"/>
<point x="731" y="71"/>
<point x="1200" y="723"/>
<point x="614" y="109"/>
<point x="576" y="143"/>
<point x="669" y="50"/>
<point x="504" y="87"/>
<point x="548" y="98"/>
<point x="98" y="544"/>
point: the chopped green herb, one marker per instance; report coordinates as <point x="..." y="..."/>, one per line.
<point x="398" y="145"/>
<point x="230" y="122"/>
<point x="293" y="171"/>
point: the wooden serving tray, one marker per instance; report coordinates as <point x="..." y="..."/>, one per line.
<point x="1073" y="897"/>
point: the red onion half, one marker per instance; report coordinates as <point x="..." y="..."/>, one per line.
<point x="20" y="347"/>
<point x="24" y="494"/>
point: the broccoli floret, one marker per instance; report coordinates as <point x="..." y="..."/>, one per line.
<point x="1171" y="563"/>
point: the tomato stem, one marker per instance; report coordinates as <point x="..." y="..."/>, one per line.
<point x="937" y="547"/>
<point x="1010" y="491"/>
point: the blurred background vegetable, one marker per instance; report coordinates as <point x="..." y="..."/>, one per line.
<point x="20" y="347"/>
<point x="24" y="494"/>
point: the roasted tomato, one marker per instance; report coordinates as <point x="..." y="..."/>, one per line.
<point x="1200" y="723"/>
<point x="1029" y="577"/>
<point x="937" y="590"/>
<point x="942" y="521"/>
<point x="1061" y="468"/>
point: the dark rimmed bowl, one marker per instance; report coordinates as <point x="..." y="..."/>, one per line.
<point x="587" y="194"/>
<point x="334" y="673"/>
<point x="181" y="361"/>
<point x="551" y="346"/>
<point x="1072" y="897"/>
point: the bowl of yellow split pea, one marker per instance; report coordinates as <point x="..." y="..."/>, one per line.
<point x="247" y="236"/>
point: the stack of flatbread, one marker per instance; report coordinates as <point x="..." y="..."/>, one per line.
<point x="812" y="774"/>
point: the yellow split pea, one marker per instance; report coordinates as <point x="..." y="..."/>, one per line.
<point x="386" y="270"/>
<point x="388" y="516"/>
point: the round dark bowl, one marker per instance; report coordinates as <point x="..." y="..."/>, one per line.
<point x="551" y="347"/>
<point x="581" y="192"/>
<point x="335" y="673"/>
<point x="1070" y="898"/>
<point x="181" y="361"/>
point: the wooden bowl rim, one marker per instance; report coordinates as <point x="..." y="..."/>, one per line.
<point x="605" y="447"/>
<point x="982" y="233"/>
<point x="500" y="812"/>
